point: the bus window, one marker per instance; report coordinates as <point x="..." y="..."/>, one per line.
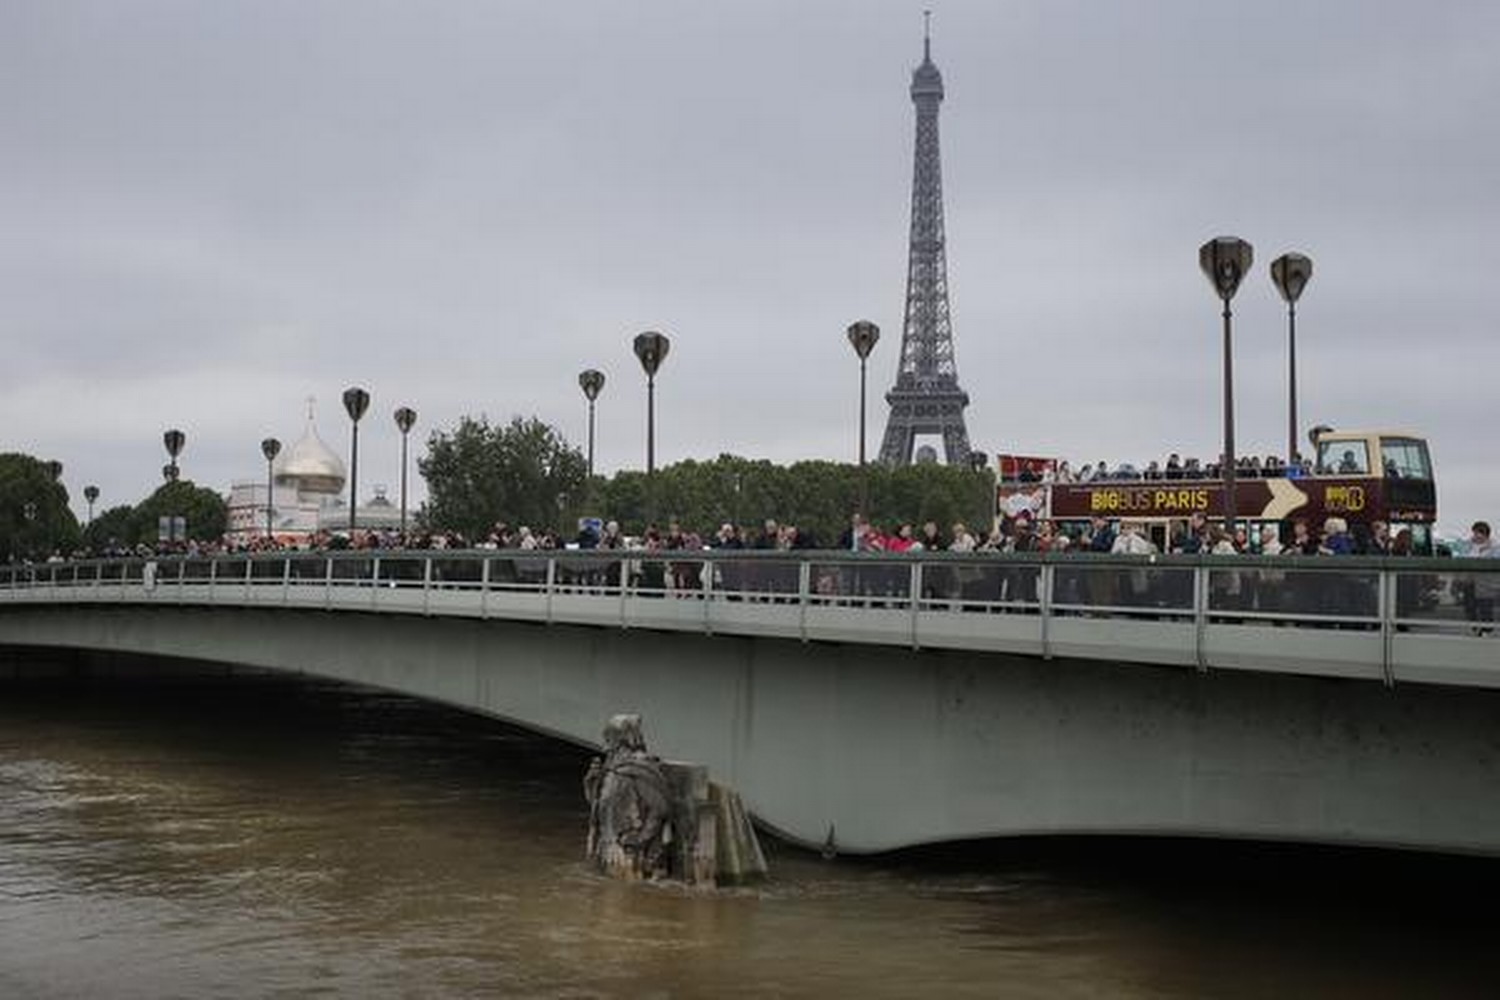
<point x="1405" y="458"/>
<point x="1343" y="458"/>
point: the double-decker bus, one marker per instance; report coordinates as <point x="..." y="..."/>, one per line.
<point x="1360" y="476"/>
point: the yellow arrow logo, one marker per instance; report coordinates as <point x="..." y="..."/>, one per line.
<point x="1285" y="498"/>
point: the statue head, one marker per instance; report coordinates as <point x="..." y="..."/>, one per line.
<point x="623" y="732"/>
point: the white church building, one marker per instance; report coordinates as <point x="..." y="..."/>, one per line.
<point x="306" y="497"/>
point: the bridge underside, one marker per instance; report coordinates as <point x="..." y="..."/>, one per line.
<point x="887" y="747"/>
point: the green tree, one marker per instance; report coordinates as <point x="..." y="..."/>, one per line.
<point x="817" y="496"/>
<point x="524" y="472"/>
<point x="116" y="525"/>
<point x="205" y="511"/>
<point x="35" y="519"/>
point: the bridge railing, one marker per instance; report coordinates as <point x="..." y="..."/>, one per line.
<point x="1386" y="619"/>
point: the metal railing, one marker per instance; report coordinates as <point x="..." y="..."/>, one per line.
<point x="1388" y="619"/>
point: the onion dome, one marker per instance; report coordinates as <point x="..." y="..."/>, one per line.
<point x="310" y="465"/>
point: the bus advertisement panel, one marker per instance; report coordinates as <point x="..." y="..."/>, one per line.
<point x="1357" y="500"/>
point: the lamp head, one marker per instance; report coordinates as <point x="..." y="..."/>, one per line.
<point x="270" y="448"/>
<point x="1291" y="272"/>
<point x="1225" y="261"/>
<point x="863" y="336"/>
<point x="174" y="440"/>
<point x="356" y="402"/>
<point x="591" y="382"/>
<point x="406" y="418"/>
<point x="91" y="493"/>
<point x="652" y="347"/>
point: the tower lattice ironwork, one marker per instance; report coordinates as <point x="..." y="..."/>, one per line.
<point x="926" y="398"/>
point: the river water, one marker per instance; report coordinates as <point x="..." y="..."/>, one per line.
<point x="261" y="837"/>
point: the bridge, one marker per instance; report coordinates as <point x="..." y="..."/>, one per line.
<point x="875" y="702"/>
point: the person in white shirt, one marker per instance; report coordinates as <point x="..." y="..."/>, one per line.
<point x="1270" y="541"/>
<point x="1132" y="542"/>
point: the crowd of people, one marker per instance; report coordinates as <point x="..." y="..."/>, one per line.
<point x="1175" y="467"/>
<point x="1023" y="533"/>
<point x="1263" y="588"/>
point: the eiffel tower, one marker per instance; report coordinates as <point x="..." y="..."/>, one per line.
<point x="926" y="398"/>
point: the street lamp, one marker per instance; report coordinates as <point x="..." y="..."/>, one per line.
<point x="90" y="494"/>
<point x="406" y="417"/>
<point x="356" y="402"/>
<point x="980" y="462"/>
<point x="1225" y="261"/>
<point x="1291" y="272"/>
<point x="862" y="337"/>
<point x="651" y="347"/>
<point x="174" y="440"/>
<point x="270" y="448"/>
<point x="591" y="381"/>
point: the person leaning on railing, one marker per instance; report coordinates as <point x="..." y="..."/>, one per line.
<point x="1268" y="584"/>
<point x="1136" y="583"/>
<point x="1484" y="588"/>
<point x="1225" y="586"/>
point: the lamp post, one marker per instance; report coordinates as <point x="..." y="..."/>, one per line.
<point x="270" y="448"/>
<point x="406" y="418"/>
<point x="651" y="348"/>
<point x="91" y="494"/>
<point x="591" y="381"/>
<point x="173" y="440"/>
<point x="862" y="337"/>
<point x="1225" y="260"/>
<point x="980" y="462"/>
<point x="356" y="402"/>
<point x="1291" y="272"/>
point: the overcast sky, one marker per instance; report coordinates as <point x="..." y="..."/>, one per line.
<point x="211" y="211"/>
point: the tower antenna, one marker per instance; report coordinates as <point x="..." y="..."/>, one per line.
<point x="927" y="36"/>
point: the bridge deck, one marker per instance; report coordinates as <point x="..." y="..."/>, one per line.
<point x="1383" y="620"/>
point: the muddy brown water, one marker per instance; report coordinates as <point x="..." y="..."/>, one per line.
<point x="255" y="836"/>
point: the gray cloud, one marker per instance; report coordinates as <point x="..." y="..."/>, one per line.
<point x="212" y="211"/>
